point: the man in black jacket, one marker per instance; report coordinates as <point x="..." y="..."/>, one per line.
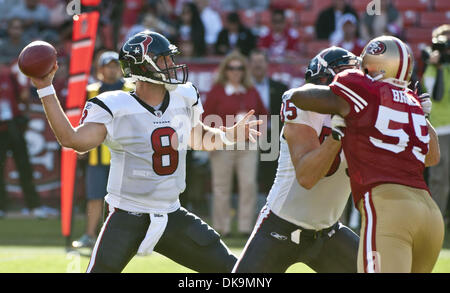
<point x="328" y="18"/>
<point x="235" y="36"/>
<point x="271" y="92"/>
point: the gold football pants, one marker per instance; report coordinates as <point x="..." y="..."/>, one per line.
<point x="402" y="230"/>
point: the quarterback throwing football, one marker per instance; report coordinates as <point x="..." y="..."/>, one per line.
<point x="145" y="131"/>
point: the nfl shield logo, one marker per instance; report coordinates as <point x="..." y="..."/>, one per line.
<point x="158" y="113"/>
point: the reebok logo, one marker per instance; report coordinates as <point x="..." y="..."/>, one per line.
<point x="278" y="236"/>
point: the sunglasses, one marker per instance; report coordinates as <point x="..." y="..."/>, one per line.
<point x="241" y="68"/>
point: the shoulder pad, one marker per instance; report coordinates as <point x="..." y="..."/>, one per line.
<point x="188" y="91"/>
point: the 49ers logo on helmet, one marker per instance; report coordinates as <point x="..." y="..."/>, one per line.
<point x="137" y="47"/>
<point x="376" y="48"/>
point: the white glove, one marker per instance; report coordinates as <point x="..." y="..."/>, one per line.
<point x="337" y="127"/>
<point x="425" y="101"/>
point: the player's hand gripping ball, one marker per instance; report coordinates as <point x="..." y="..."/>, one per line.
<point x="37" y="59"/>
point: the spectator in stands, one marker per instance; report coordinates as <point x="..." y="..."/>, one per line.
<point x="280" y="41"/>
<point x="235" y="5"/>
<point x="235" y="36"/>
<point x="191" y="32"/>
<point x="347" y="37"/>
<point x="151" y="22"/>
<point x="5" y="8"/>
<point x="109" y="74"/>
<point x="389" y="21"/>
<point x="14" y="42"/>
<point x="270" y="92"/>
<point x="211" y="21"/>
<point x="233" y="94"/>
<point x="35" y="17"/>
<point x="328" y="20"/>
<point x="436" y="80"/>
<point x="12" y="137"/>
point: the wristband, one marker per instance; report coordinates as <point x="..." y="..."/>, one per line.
<point x="46" y="91"/>
<point x="225" y="140"/>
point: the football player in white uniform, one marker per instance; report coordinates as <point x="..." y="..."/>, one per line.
<point x="299" y="222"/>
<point x="147" y="132"/>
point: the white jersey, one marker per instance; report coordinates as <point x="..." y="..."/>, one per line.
<point x="147" y="174"/>
<point x="321" y="206"/>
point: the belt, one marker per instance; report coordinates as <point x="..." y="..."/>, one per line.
<point x="305" y="232"/>
<point x="318" y="233"/>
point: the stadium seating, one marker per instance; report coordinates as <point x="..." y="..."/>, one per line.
<point x="248" y="17"/>
<point x="409" y="18"/>
<point x="307" y="18"/>
<point x="441" y="5"/>
<point x="306" y="33"/>
<point x="434" y="19"/>
<point x="315" y="47"/>
<point x="416" y="5"/>
<point x="418" y="35"/>
<point x="360" y="5"/>
<point x="290" y="4"/>
<point x="317" y="6"/>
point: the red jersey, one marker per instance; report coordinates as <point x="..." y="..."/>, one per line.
<point x="278" y="44"/>
<point x="386" y="138"/>
<point x="9" y="92"/>
<point x="221" y="104"/>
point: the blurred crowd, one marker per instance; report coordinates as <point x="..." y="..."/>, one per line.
<point x="245" y="37"/>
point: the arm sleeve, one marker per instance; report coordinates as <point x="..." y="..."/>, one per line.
<point x="349" y="86"/>
<point x="197" y="110"/>
<point x="96" y="111"/>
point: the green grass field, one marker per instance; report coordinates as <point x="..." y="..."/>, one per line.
<point x="33" y="246"/>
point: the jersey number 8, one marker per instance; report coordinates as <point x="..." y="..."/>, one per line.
<point x="165" y="156"/>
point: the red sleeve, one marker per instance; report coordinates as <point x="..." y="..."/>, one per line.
<point x="350" y="85"/>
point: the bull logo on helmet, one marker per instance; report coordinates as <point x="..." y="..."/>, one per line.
<point x="137" y="47"/>
<point x="376" y="48"/>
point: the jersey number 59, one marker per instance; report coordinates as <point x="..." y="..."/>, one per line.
<point x="419" y="124"/>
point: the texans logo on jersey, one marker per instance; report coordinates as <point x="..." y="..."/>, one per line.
<point x="137" y="48"/>
<point x="376" y="48"/>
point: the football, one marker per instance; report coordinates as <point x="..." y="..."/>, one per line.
<point x="37" y="59"/>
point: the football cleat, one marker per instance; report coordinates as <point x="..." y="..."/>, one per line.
<point x="84" y="241"/>
<point x="388" y="59"/>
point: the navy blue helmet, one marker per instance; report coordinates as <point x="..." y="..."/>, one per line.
<point x="138" y="59"/>
<point x="325" y="65"/>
